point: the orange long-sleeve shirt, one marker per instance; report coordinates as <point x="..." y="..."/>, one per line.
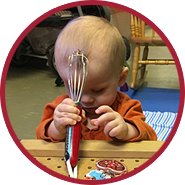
<point x="130" y="110"/>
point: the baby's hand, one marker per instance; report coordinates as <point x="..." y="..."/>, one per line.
<point x="65" y="114"/>
<point x="114" y="124"/>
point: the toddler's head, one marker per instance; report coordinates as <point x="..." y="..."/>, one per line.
<point x="96" y="37"/>
<point x="104" y="47"/>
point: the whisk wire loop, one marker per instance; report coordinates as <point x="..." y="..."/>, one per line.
<point x="78" y="70"/>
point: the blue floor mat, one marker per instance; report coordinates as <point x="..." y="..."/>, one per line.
<point x="156" y="99"/>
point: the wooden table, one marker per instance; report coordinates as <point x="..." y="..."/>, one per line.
<point x="132" y="155"/>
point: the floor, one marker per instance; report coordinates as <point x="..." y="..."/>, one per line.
<point x="30" y="87"/>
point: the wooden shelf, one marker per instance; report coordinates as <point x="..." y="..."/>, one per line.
<point x="132" y="155"/>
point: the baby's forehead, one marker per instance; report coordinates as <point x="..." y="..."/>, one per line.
<point x="100" y="65"/>
<point x="99" y="71"/>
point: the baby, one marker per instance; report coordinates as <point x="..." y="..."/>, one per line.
<point x="107" y="113"/>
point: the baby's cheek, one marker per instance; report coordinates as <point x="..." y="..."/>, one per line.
<point x="106" y="100"/>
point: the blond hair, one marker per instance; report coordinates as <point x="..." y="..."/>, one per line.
<point x="90" y="34"/>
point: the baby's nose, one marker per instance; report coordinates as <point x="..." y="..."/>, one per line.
<point x="86" y="98"/>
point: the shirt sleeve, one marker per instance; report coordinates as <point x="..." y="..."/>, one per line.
<point x="47" y="119"/>
<point x="131" y="111"/>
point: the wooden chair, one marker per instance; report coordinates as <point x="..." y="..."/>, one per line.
<point x="139" y="38"/>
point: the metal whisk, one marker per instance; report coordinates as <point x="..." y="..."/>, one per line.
<point x="77" y="74"/>
<point x="78" y="70"/>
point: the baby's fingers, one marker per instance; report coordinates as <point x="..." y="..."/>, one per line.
<point x="103" y="109"/>
<point x="68" y="106"/>
<point x="103" y="119"/>
<point x="67" y="119"/>
<point x="83" y="114"/>
<point x="68" y="101"/>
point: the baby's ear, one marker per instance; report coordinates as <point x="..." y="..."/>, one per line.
<point x="123" y="76"/>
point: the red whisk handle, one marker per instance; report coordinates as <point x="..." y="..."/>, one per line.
<point x="72" y="143"/>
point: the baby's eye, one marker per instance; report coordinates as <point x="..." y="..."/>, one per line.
<point x="98" y="90"/>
